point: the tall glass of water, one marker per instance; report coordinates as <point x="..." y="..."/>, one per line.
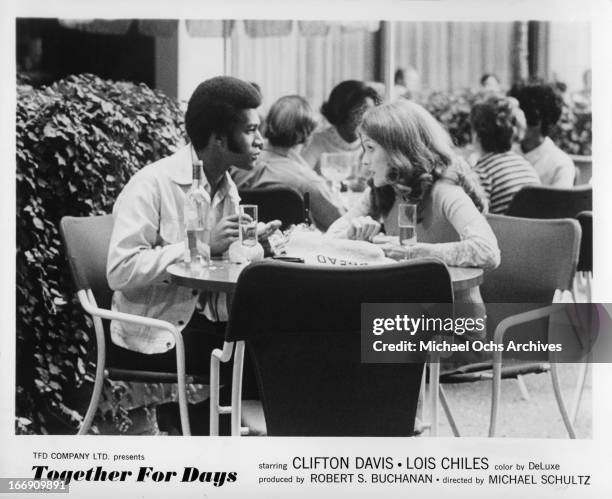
<point x="247" y="224"/>
<point x="406" y="221"/>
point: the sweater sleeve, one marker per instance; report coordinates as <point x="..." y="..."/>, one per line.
<point x="136" y="258"/>
<point x="325" y="209"/>
<point x="477" y="246"/>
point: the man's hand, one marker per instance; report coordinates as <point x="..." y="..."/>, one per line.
<point x="363" y="228"/>
<point x="224" y="234"/>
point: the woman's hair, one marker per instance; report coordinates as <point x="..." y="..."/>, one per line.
<point x="540" y="102"/>
<point x="494" y="121"/>
<point x="290" y="121"/>
<point x="420" y="153"/>
<point x="346" y="97"/>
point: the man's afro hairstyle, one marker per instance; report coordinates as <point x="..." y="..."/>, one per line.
<point x="215" y="107"/>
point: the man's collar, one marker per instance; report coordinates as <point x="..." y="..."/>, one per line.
<point x="182" y="174"/>
<point x="227" y="187"/>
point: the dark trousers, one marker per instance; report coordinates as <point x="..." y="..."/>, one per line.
<point x="201" y="336"/>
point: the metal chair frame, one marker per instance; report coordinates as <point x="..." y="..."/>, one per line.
<point x="524" y="318"/>
<point x="88" y="301"/>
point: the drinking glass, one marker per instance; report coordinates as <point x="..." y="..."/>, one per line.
<point x="247" y="224"/>
<point x="406" y="221"/>
<point x="337" y="167"/>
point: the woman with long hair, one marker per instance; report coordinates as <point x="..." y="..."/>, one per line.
<point x="411" y="160"/>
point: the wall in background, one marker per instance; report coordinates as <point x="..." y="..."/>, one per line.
<point x="569" y="52"/>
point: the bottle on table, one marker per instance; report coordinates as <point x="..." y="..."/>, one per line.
<point x="307" y="217"/>
<point x="197" y="252"/>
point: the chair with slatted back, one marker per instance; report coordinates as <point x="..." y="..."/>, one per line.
<point x="276" y="203"/>
<point x="86" y="241"/>
<point x="306" y="347"/>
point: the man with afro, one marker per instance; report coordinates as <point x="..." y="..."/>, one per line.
<point x="222" y="124"/>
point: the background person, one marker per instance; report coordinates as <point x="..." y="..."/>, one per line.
<point x="489" y="82"/>
<point x="289" y="123"/>
<point x="542" y="106"/>
<point x="148" y="235"/>
<point x="344" y="109"/>
<point x="502" y="172"/>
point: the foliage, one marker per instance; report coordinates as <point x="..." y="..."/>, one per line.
<point x="453" y="111"/>
<point x="573" y="133"/>
<point x="78" y="142"/>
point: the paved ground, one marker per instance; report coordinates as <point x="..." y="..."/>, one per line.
<point x="538" y="417"/>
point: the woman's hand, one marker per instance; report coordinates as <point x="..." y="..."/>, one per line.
<point x="363" y="228"/>
<point x="415" y="250"/>
<point x="396" y="251"/>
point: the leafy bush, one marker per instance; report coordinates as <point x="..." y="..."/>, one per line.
<point x="453" y="111"/>
<point x="573" y="133"/>
<point x="78" y="142"/>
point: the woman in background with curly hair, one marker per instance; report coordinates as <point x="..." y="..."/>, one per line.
<point x="502" y="172"/>
<point x="412" y="160"/>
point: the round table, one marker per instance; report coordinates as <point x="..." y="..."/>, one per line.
<point x="224" y="276"/>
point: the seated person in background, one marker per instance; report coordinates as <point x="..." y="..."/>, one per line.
<point x="412" y="160"/>
<point x="490" y="83"/>
<point x="582" y="99"/>
<point x="289" y="123"/>
<point x="148" y="235"/>
<point x="344" y="110"/>
<point x="542" y="106"/>
<point x="502" y="172"/>
<point x="399" y="87"/>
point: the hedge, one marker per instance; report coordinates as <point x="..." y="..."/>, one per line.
<point x="78" y="142"/>
<point x="573" y="132"/>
